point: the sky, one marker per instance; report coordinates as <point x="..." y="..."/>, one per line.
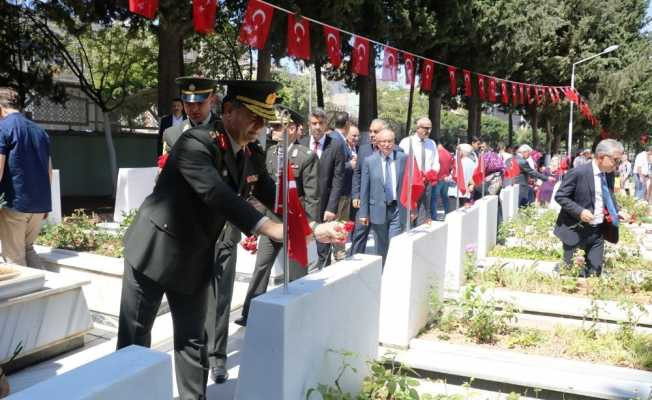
<point x="649" y="14"/>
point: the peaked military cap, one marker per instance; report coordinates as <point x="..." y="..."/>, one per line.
<point x="285" y="115"/>
<point x="195" y="89"/>
<point x="258" y="97"/>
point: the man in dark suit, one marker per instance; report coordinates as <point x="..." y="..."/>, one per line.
<point x="342" y="125"/>
<point x="361" y="232"/>
<point x="331" y="174"/>
<point x="522" y="155"/>
<point x="170" y="246"/>
<point x="380" y="192"/>
<point x="176" y="117"/>
<point x="589" y="213"/>
<point x="305" y="168"/>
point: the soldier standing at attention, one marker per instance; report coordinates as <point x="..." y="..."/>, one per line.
<point x="198" y="97"/>
<point x="170" y="247"/>
<point x="305" y="168"/>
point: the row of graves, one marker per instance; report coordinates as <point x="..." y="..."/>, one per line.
<point x="465" y="308"/>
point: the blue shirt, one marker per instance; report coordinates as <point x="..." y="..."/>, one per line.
<point x="25" y="181"/>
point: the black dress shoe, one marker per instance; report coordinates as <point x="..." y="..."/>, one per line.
<point x="219" y="374"/>
<point x="242" y="321"/>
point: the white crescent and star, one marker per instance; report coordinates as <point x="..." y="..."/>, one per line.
<point x="263" y="17"/>
<point x="330" y="36"/>
<point x="390" y="59"/>
<point x="428" y="70"/>
<point x="298" y="26"/>
<point x="362" y="51"/>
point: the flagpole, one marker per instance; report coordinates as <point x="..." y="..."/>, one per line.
<point x="285" y="116"/>
<point x="458" y="165"/>
<point x="409" y="193"/>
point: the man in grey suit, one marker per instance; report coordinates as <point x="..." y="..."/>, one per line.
<point x="380" y="191"/>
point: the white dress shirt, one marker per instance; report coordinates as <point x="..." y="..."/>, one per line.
<point x="392" y="171"/>
<point x="176" y="121"/>
<point x="641" y="163"/>
<point x="320" y="149"/>
<point x="432" y="155"/>
<point x="598" y="212"/>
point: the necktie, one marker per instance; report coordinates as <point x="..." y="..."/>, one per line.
<point x="315" y="148"/>
<point x="389" y="191"/>
<point x="423" y="155"/>
<point x="608" y="201"/>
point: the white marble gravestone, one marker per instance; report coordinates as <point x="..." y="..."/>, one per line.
<point x="54" y="217"/>
<point x="462" y="232"/>
<point x="487" y="224"/>
<point x="415" y="267"/>
<point x="513" y="204"/>
<point x="134" y="184"/>
<point x="291" y="341"/>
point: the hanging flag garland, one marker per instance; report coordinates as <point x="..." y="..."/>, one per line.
<point x="255" y="28"/>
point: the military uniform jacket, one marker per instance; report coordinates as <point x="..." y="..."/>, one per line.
<point x="173" y="236"/>
<point x="173" y="133"/>
<point x="305" y="168"/>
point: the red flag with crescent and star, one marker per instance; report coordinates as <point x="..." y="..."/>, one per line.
<point x="492" y="89"/>
<point x="514" y="94"/>
<point x="255" y="26"/>
<point x="481" y="92"/>
<point x="390" y="64"/>
<point x="409" y="68"/>
<point x="522" y="91"/>
<point x="298" y="37"/>
<point x="453" y="80"/>
<point x="360" y="56"/>
<point x="503" y="92"/>
<point x="468" y="91"/>
<point x="203" y="15"/>
<point x="146" y="8"/>
<point x="528" y="94"/>
<point x="427" y="72"/>
<point x="333" y="46"/>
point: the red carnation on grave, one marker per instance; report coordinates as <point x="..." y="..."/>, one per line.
<point x="250" y="243"/>
<point x="162" y="159"/>
<point x="431" y="176"/>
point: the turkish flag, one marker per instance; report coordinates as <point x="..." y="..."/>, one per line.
<point x="528" y="94"/>
<point x="203" y="15"/>
<point x="256" y="23"/>
<point x="514" y="94"/>
<point x="481" y="93"/>
<point x="360" y="56"/>
<point x="297" y="223"/>
<point x="468" y="91"/>
<point x="492" y="89"/>
<point x="479" y="171"/>
<point x="298" y="37"/>
<point x="146" y="8"/>
<point x="427" y="73"/>
<point x="522" y="90"/>
<point x="512" y="170"/>
<point x="503" y="91"/>
<point x="417" y="185"/>
<point x="333" y="46"/>
<point x="552" y="95"/>
<point x="453" y="80"/>
<point x="537" y="94"/>
<point x="390" y="64"/>
<point x="409" y="68"/>
<point x="459" y="174"/>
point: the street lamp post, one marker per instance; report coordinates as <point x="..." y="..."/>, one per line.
<point x="570" y="120"/>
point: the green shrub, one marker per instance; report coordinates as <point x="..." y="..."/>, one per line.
<point x="481" y="318"/>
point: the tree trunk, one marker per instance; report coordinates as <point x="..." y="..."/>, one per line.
<point x="318" y="85"/>
<point x="535" y="126"/>
<point x="368" y="109"/>
<point x="264" y="67"/>
<point x="434" y="113"/>
<point x="510" y="129"/>
<point x="478" y="118"/>
<point x="471" y="119"/>
<point x="170" y="64"/>
<point x="113" y="164"/>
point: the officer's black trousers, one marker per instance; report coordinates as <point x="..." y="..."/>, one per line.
<point x="141" y="298"/>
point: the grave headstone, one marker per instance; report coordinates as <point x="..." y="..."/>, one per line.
<point x="134" y="185"/>
<point x="487" y="224"/>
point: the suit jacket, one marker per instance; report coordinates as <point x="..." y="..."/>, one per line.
<point x="305" y="167"/>
<point x="364" y="151"/>
<point x="348" y="167"/>
<point x="331" y="174"/>
<point x="173" y="133"/>
<point x="172" y="239"/>
<point x="372" y="187"/>
<point x="577" y="193"/>
<point x="166" y="122"/>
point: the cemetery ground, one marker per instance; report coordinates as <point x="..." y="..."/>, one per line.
<point x="520" y="325"/>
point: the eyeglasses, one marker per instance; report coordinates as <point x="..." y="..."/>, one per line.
<point x="427" y="128"/>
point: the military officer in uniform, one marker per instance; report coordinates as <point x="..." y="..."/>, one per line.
<point x="170" y="247"/>
<point x="198" y="97"/>
<point x="305" y="168"/>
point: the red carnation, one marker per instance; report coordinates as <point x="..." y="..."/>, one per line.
<point x="431" y="176"/>
<point x="221" y="141"/>
<point x="250" y="243"/>
<point x="162" y="159"/>
<point x="349" y="225"/>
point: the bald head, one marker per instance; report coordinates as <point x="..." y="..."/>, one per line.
<point x="385" y="141"/>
